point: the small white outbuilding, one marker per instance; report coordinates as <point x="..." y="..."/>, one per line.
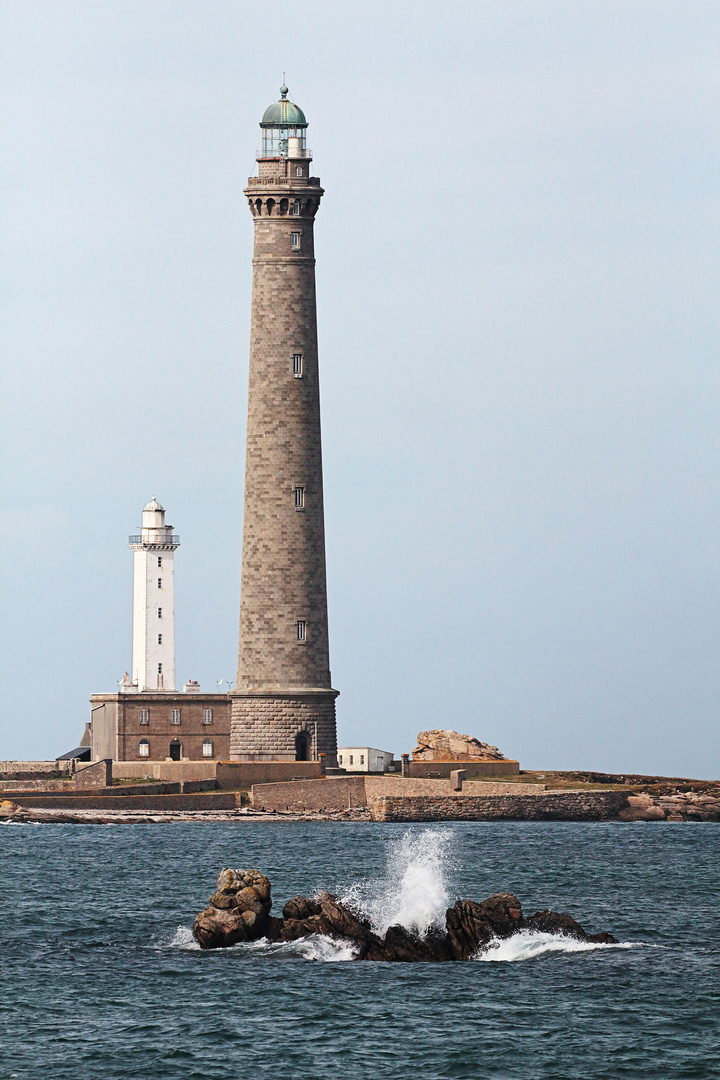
<point x="364" y="759"/>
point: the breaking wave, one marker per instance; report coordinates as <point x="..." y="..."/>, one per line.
<point x="413" y="891"/>
<point x="529" y="944"/>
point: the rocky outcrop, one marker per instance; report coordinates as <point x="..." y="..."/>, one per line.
<point x="237" y="911"/>
<point x="445" y="745"/>
<point x="681" y="806"/>
<point x="240" y="911"/>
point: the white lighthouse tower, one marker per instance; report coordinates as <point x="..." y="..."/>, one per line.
<point x="153" y="665"/>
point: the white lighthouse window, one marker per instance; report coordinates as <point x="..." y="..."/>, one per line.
<point x="144" y="716"/>
<point x="159" y="669"/>
<point x="159" y="560"/>
<point x="159" y="613"/>
<point x="207" y="716"/>
<point x="144" y="748"/>
<point x="299" y="498"/>
<point x="295" y="241"/>
<point x="207" y="748"/>
<point x="159" y="583"/>
<point x="296" y="209"/>
<point x="159" y="639"/>
<point x="301" y="626"/>
<point x="176" y="716"/>
<point x="297" y="365"/>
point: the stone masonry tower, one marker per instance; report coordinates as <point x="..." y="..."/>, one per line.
<point x="283" y="706"/>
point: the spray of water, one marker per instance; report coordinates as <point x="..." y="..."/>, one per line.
<point x="529" y="944"/>
<point x="413" y="891"/>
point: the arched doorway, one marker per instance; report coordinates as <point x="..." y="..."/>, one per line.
<point x="302" y="746"/>
<point x="175" y="749"/>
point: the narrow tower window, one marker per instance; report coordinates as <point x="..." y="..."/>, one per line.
<point x="159" y="583"/>
<point x="159" y="639"/>
<point x="207" y="716"/>
<point x="299" y="498"/>
<point x="207" y="748"/>
<point x="297" y="365"/>
<point x="144" y="716"/>
<point x="298" y="171"/>
<point x="144" y="748"/>
<point x="296" y="211"/>
<point x="159" y="613"/>
<point x="159" y="560"/>
<point x="176" y="716"/>
<point x="301" y="627"/>
<point x="159" y="669"/>
<point x="295" y="241"/>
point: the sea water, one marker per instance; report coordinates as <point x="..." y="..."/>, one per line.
<point x="101" y="977"/>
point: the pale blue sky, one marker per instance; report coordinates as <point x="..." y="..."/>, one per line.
<point x="518" y="317"/>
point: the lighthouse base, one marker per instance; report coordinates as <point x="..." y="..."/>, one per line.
<point x="283" y="725"/>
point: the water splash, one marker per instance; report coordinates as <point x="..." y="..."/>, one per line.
<point x="529" y="944"/>
<point x="183" y="939"/>
<point x="413" y="892"/>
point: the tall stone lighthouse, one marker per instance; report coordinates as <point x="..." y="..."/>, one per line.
<point x="283" y="706"/>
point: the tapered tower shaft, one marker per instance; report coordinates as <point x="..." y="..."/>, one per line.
<point x="283" y="703"/>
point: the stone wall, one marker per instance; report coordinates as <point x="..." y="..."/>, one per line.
<point x="241" y="775"/>
<point x="22" y="770"/>
<point x="474" y="769"/>
<point x="98" y="774"/>
<point x="342" y="792"/>
<point x="211" y="800"/>
<point x="169" y="771"/>
<point x="299" y="796"/>
<point x="553" y="806"/>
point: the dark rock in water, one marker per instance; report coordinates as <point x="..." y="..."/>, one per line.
<point x="551" y="922"/>
<point x="471" y="925"/>
<point x="240" y="911"/>
<point x="301" y="908"/>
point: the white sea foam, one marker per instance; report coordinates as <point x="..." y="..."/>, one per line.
<point x="413" y="891"/>
<point x="183" y="939"/>
<point x="529" y="944"/>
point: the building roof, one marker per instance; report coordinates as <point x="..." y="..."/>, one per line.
<point x="82" y="753"/>
<point x="154" y="505"/>
<point x="283" y="113"/>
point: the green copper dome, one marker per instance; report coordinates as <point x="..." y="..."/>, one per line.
<point x="283" y="113"/>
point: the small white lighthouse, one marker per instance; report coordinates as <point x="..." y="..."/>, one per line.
<point x="154" y="601"/>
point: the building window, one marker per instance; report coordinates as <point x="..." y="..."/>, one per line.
<point x="301" y="627"/>
<point x="351" y="759"/>
<point x="144" y="748"/>
<point x="207" y="748"/>
<point x="175" y="716"/>
<point x="159" y="613"/>
<point x="296" y="210"/>
<point x="144" y="718"/>
<point x="295" y="241"/>
<point x="362" y="759"/>
<point x="207" y="716"/>
<point x="298" y="171"/>
<point x="159" y="560"/>
<point x="297" y="365"/>
<point x="159" y="583"/>
<point x="159" y="639"/>
<point x="339" y="759"/>
<point x="299" y="498"/>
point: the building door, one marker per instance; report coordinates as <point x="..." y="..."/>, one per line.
<point x="302" y="747"/>
<point x="175" y="750"/>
